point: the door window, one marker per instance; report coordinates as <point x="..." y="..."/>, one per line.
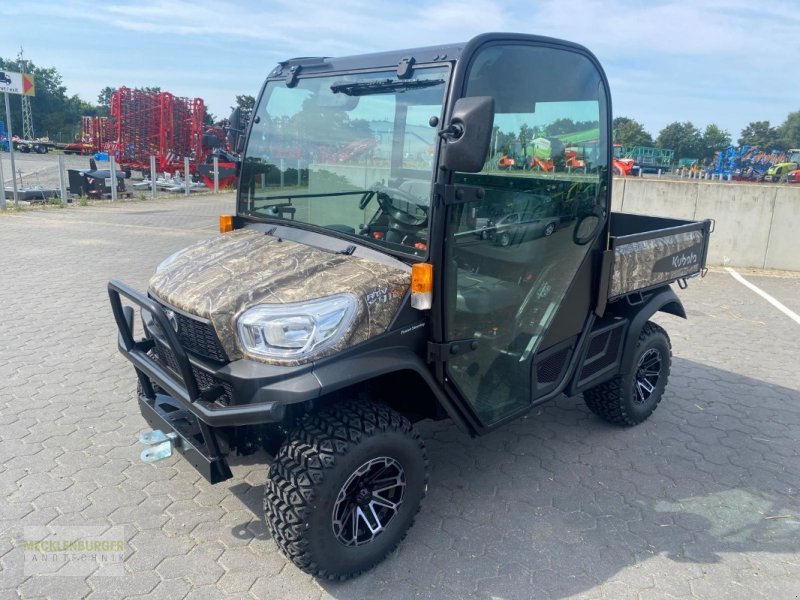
<point x="513" y="255"/>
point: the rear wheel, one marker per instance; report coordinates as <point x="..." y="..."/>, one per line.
<point x="548" y="231"/>
<point x="345" y="487"/>
<point x="629" y="398"/>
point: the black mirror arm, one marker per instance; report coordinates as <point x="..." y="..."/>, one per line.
<point x="453" y="132"/>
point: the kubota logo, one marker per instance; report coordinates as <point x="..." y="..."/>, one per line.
<point x="682" y="260"/>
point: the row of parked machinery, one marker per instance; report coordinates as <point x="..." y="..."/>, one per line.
<point x="751" y="163"/>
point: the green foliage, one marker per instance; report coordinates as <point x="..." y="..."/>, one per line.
<point x="714" y="139"/>
<point x="684" y="138"/>
<point x="104" y="101"/>
<point x="630" y="132"/>
<point x="789" y="131"/>
<point x="759" y="133"/>
<point x="83" y="201"/>
<point x="55" y="114"/>
<point x="245" y="103"/>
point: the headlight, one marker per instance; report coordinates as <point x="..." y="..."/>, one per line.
<point x="296" y="329"/>
<point x="167" y="261"/>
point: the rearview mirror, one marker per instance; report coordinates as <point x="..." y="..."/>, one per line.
<point x="234" y="128"/>
<point x="587" y="226"/>
<point x="468" y="136"/>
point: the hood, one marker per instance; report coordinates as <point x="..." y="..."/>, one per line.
<point x="219" y="278"/>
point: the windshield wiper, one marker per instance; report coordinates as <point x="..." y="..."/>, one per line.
<point x="381" y="86"/>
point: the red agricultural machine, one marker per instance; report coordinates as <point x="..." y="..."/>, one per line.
<point x="144" y="124"/>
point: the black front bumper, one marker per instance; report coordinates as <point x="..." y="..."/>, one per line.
<point x="261" y="392"/>
<point x="198" y="443"/>
<point x="171" y="400"/>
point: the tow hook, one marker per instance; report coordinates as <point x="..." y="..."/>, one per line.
<point x="160" y="445"/>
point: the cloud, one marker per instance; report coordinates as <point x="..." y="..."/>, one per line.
<point x="712" y="61"/>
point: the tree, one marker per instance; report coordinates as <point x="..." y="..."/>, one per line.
<point x="104" y="101"/>
<point x="714" y="139"/>
<point x="789" y="131"/>
<point x="630" y="132"/>
<point x="759" y="133"/>
<point x="245" y="103"/>
<point x="55" y="114"/>
<point x="684" y="138"/>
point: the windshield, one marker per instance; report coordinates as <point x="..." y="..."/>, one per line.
<point x="352" y="153"/>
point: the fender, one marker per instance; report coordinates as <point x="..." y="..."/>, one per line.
<point x="664" y="300"/>
<point x="364" y="366"/>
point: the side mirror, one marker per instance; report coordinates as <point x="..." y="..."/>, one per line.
<point x="234" y="128"/>
<point x="468" y="136"/>
<point x="587" y="226"/>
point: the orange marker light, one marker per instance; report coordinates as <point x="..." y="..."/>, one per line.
<point x="225" y="223"/>
<point x="421" y="286"/>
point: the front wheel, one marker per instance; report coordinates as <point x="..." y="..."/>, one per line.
<point x="345" y="487"/>
<point x="629" y="398"/>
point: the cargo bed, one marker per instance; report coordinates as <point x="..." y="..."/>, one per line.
<point x="646" y="252"/>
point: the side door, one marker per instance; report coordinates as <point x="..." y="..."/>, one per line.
<point x="507" y="276"/>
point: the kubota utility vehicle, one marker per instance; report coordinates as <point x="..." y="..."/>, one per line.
<point x="351" y="294"/>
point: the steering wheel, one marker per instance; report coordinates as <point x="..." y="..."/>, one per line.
<point x="386" y="196"/>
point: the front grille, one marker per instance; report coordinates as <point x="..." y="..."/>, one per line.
<point x="166" y="358"/>
<point x="199" y="337"/>
<point x="204" y="379"/>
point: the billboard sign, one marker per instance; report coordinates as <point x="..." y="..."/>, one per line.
<point x="17" y="83"/>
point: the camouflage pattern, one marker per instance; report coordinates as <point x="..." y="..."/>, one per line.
<point x="221" y="277"/>
<point x="638" y="265"/>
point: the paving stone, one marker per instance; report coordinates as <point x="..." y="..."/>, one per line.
<point x="699" y="501"/>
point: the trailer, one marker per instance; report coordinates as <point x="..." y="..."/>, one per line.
<point x="33" y="146"/>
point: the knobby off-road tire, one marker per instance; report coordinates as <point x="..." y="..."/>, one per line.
<point x="317" y="484"/>
<point x="629" y="398"/>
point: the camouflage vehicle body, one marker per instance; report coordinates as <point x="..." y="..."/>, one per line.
<point x="333" y="312"/>
<point x="218" y="279"/>
<point x="641" y="263"/>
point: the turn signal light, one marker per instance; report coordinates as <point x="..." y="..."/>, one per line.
<point x="421" y="286"/>
<point x="225" y="223"/>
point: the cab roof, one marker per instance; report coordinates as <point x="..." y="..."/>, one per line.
<point x="445" y="52"/>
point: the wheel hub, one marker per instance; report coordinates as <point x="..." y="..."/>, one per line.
<point x="363" y="496"/>
<point x="368" y="501"/>
<point x="648" y="372"/>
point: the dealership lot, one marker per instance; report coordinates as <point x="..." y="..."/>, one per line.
<point x="700" y="501"/>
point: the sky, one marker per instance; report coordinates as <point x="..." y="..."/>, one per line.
<point x="727" y="62"/>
